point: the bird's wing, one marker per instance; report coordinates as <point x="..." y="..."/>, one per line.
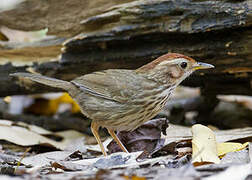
<point x="116" y="85"/>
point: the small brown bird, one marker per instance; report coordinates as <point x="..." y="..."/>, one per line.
<point x="122" y="100"/>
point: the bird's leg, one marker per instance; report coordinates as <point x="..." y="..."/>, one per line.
<point x="114" y="136"/>
<point x="94" y="129"/>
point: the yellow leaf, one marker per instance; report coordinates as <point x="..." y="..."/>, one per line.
<point x="134" y="178"/>
<point x="50" y="106"/>
<point x="65" y="98"/>
<point x="226" y="147"/>
<point x="204" y="145"/>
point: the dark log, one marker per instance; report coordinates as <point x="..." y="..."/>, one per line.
<point x="132" y="34"/>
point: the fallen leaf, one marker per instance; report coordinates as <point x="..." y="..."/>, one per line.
<point x="134" y="178"/>
<point x="224" y="148"/>
<point x="97" y="148"/>
<point x="33" y="128"/>
<point x="115" y="160"/>
<point x="119" y="160"/>
<point x="72" y="140"/>
<point x="176" y="133"/>
<point x="26" y="135"/>
<point x="45" y="158"/>
<point x="67" y="166"/>
<point x="204" y="145"/>
<point x="22" y="136"/>
<point x="145" y="138"/>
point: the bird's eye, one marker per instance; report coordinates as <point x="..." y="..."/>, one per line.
<point x="183" y="65"/>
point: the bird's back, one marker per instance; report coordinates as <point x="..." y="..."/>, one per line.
<point x="119" y="99"/>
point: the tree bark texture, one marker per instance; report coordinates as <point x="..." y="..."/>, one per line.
<point x="131" y="34"/>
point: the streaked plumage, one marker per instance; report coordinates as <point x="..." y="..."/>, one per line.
<point x="120" y="99"/>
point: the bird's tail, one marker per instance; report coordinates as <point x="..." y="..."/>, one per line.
<point x="45" y="80"/>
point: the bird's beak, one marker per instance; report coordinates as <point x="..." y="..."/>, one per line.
<point x="200" y="65"/>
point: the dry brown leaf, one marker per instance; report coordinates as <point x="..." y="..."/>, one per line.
<point x="67" y="166"/>
<point x="204" y="145"/>
<point x="147" y="137"/>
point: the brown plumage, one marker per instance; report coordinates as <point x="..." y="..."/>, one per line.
<point x="121" y="100"/>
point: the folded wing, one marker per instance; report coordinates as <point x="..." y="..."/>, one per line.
<point x="115" y="85"/>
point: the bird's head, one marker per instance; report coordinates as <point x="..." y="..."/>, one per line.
<point x="172" y="68"/>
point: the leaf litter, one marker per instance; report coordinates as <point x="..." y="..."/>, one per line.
<point x="170" y="153"/>
<point x="26" y="135"/>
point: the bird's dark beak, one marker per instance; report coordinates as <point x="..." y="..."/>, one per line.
<point x="200" y="65"/>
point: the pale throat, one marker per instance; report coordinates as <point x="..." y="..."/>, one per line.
<point x="168" y="91"/>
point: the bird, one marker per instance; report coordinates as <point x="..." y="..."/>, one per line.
<point x="123" y="99"/>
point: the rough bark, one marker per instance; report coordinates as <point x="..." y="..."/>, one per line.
<point x="132" y="34"/>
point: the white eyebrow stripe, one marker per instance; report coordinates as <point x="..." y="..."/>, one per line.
<point x="174" y="61"/>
